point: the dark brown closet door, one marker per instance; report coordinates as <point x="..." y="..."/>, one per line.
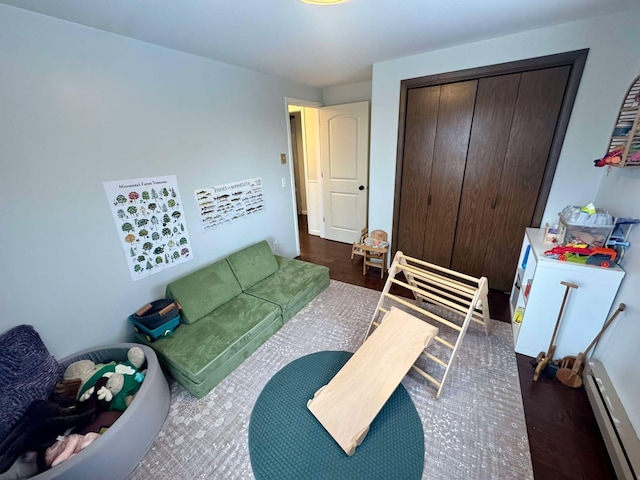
<point x="419" y="141"/>
<point x="467" y="208"/>
<point x="449" y="159"/>
<point x="534" y="123"/>
<point x="438" y="122"/>
<point x="495" y="103"/>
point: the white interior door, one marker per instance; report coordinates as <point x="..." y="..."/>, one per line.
<point x="344" y="151"/>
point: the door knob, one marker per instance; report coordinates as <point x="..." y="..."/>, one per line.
<point x="361" y="187"/>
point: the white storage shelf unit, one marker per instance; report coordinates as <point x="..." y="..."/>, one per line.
<point x="587" y="306"/>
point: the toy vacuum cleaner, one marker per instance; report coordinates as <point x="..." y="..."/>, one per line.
<point x="157" y="319"/>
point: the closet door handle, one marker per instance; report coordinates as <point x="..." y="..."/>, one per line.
<point x="493" y="203"/>
<point x="429" y="200"/>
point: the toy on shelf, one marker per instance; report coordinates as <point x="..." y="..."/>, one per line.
<point x="551" y="234"/>
<point x="601" y="257"/>
<point x="518" y="315"/>
<point x="586" y="224"/>
<point x="614" y="157"/>
<point x="619" y="238"/>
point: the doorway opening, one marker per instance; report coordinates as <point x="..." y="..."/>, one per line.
<point x="328" y="171"/>
<point x="297" y="160"/>
<point x="304" y="165"/>
<point x="304" y="169"/>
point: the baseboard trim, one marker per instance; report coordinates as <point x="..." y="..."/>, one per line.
<point x="618" y="433"/>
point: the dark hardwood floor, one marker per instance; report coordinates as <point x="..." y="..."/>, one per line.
<point x="564" y="438"/>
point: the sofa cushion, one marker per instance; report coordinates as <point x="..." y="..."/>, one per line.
<point x="198" y="349"/>
<point x="253" y="264"/>
<point x="292" y="286"/>
<point x="204" y="290"/>
<point x="226" y="364"/>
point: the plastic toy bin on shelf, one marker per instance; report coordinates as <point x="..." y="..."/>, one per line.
<point x="580" y="227"/>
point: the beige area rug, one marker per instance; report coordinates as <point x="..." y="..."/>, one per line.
<point x="476" y="430"/>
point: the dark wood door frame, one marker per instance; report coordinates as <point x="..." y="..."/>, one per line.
<point x="576" y="59"/>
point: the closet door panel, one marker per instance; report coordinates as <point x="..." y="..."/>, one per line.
<point x="450" y="155"/>
<point x="419" y="140"/>
<point x="495" y="103"/>
<point x="539" y="100"/>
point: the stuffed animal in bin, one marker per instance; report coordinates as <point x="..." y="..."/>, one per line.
<point x="114" y="384"/>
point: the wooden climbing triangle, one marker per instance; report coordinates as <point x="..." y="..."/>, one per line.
<point x="463" y="296"/>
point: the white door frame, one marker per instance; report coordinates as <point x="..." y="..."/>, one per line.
<point x="302" y="103"/>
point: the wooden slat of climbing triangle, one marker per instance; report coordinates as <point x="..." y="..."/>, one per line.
<point x="348" y="404"/>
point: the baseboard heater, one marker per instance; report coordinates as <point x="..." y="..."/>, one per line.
<point x="618" y="433"/>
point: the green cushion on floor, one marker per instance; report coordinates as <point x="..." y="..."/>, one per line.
<point x="197" y="351"/>
<point x="292" y="286"/>
<point x="224" y="325"/>
<point x="252" y="264"/>
<point x="204" y="290"/>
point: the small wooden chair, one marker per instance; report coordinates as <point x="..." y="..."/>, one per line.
<point x="356" y="249"/>
<point x="375" y="248"/>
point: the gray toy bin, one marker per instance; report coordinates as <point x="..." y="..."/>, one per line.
<point x="118" y="451"/>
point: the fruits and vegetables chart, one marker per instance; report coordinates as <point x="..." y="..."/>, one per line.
<point x="150" y="222"/>
<point x="226" y="203"/>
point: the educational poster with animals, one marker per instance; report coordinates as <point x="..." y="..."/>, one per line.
<point x="150" y="222"/>
<point x="229" y="202"/>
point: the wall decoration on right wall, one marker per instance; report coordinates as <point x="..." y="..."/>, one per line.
<point x="624" y="147"/>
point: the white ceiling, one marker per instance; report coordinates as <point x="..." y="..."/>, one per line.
<point x="317" y="45"/>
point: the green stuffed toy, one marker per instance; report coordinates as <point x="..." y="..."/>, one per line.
<point x="115" y="383"/>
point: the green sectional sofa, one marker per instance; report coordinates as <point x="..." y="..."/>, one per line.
<point x="229" y="309"/>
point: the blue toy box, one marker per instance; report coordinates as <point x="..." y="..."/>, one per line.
<point x="157" y="319"/>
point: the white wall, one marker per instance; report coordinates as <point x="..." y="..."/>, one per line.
<point x="618" y="349"/>
<point x="78" y="107"/>
<point x="604" y="81"/>
<point x="611" y="66"/>
<point x="355" y="92"/>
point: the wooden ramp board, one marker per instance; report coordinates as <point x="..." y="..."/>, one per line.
<point x="348" y="404"/>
